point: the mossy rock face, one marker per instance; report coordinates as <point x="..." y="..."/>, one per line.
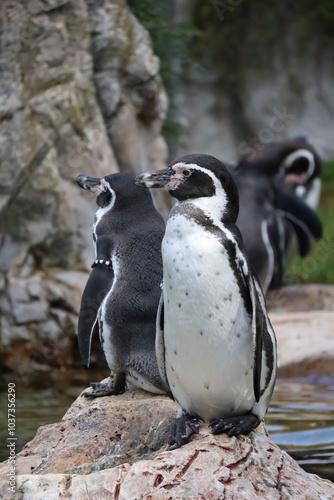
<point x="50" y="121"/>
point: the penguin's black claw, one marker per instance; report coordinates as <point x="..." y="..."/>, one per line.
<point x="233" y="426"/>
<point x="182" y="429"/>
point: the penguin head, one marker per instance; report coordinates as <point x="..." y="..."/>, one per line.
<point x="293" y="161"/>
<point x="105" y="194"/>
<point x="114" y="189"/>
<point x="300" y="167"/>
<point x="197" y="176"/>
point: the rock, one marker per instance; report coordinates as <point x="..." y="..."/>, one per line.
<point x="35" y="288"/>
<point x="303" y="319"/>
<point x="17" y="291"/>
<point x="101" y="433"/>
<point x="72" y="279"/>
<point x="305" y="342"/>
<point x="130" y="92"/>
<point x="36" y="311"/>
<point x="293" y="298"/>
<point x="115" y="447"/>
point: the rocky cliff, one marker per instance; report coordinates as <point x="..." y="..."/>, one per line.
<point x="80" y="93"/>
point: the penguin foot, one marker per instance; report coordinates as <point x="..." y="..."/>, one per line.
<point x="182" y="429"/>
<point x="114" y="386"/>
<point x="233" y="426"/>
<point x="99" y="390"/>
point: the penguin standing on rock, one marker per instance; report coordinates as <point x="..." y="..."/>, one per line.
<point x="122" y="294"/>
<point x="216" y="348"/>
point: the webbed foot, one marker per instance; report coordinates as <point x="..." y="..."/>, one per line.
<point x="233" y="426"/>
<point x="114" y="386"/>
<point x="182" y="429"/>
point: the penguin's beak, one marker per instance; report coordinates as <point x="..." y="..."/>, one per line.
<point x="155" y="178"/>
<point x="90" y="183"/>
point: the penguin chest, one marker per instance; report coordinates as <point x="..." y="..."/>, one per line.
<point x="208" y="339"/>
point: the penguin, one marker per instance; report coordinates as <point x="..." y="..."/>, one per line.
<point x="275" y="220"/>
<point x="295" y="162"/>
<point x="122" y="294"/>
<point x="216" y="348"/>
<point x="260" y="226"/>
<point x="275" y="223"/>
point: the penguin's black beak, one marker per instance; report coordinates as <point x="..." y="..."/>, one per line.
<point x="155" y="178"/>
<point x="90" y="183"/>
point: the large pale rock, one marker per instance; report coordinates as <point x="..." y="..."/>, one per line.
<point x="299" y="298"/>
<point x="116" y="448"/>
<point x="305" y="342"/>
<point x="303" y="320"/>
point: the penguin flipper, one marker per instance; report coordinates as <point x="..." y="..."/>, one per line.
<point x="252" y="294"/>
<point x="304" y="220"/>
<point x="257" y="332"/>
<point x="98" y="285"/>
<point x="160" y="345"/>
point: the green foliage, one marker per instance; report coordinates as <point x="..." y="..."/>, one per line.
<point x="318" y="266"/>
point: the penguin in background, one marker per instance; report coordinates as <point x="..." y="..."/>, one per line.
<point x="216" y="348"/>
<point x="295" y="162"/>
<point x="122" y="294"/>
<point x="260" y="226"/>
<point x="277" y="217"/>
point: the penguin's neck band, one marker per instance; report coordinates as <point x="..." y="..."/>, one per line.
<point x="106" y="263"/>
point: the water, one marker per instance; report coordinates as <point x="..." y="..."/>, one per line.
<point x="300" y="419"/>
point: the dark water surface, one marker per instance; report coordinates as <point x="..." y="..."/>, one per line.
<point x="300" y="419"/>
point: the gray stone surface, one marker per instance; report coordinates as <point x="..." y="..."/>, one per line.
<point x="36" y="311"/>
<point x="132" y="99"/>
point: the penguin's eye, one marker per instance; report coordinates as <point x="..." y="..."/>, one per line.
<point x="186" y="173"/>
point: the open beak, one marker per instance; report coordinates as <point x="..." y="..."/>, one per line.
<point x="300" y="179"/>
<point x="90" y="183"/>
<point x="155" y="178"/>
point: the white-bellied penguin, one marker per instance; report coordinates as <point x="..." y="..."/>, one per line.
<point x="122" y="293"/>
<point x="216" y="347"/>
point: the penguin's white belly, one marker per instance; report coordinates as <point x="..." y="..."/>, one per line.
<point x="207" y="331"/>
